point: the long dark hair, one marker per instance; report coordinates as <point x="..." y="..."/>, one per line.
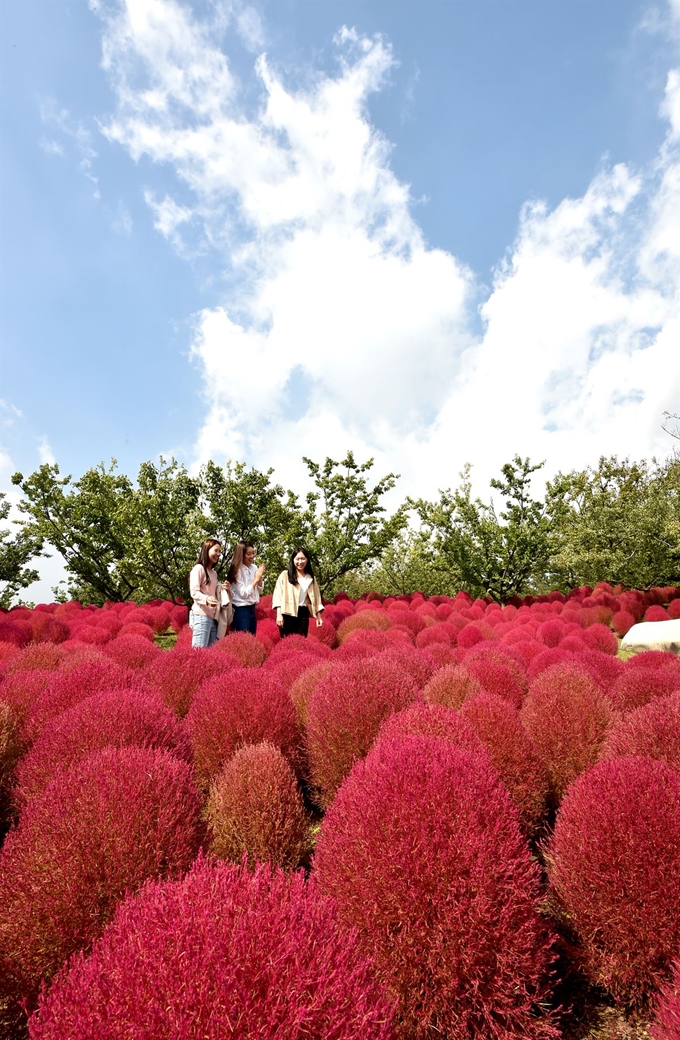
<point x="237" y="559"/>
<point x="203" y="558"/>
<point x="292" y="570"/>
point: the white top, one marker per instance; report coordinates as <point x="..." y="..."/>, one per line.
<point x="304" y="581"/>
<point x="244" y="593"/>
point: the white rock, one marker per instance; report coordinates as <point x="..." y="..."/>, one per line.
<point x="653" y="635"/>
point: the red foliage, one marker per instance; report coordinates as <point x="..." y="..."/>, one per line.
<point x="293" y="645"/>
<point x="187" y="959"/>
<point x="178" y="674"/>
<point x="255" y="810"/>
<point x="423" y="854"/>
<point x="436" y="634"/>
<point x="653" y="659"/>
<point x="136" y="628"/>
<point x="43" y="656"/>
<point x="115" y="718"/>
<point x="20" y="691"/>
<point x="132" y="651"/>
<point x="652" y="730"/>
<point x="667" y="1020"/>
<point x="622" y="622"/>
<point x="368" y="619"/>
<point x="656" y="613"/>
<point x="674" y="609"/>
<point x="498" y="727"/>
<point x="432" y="720"/>
<point x="638" y="686"/>
<point x="344" y="715"/>
<point x="96" y="832"/>
<point x="302" y="688"/>
<point x="416" y="662"/>
<point x="614" y="868"/>
<point x="546" y="659"/>
<point x="497" y="677"/>
<point x="245" y="648"/>
<point x="288" y="669"/>
<point x="450" y="686"/>
<point x="600" y="637"/>
<point x="567" y="717"/>
<point x="248" y="706"/>
<point x="16" y="632"/>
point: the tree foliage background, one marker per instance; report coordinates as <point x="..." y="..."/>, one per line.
<point x="618" y="521"/>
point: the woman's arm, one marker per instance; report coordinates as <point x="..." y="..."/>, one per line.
<point x="199" y="597"/>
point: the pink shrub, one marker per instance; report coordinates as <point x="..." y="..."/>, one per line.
<point x="37" y="656"/>
<point x="178" y="674"/>
<point x="268" y="629"/>
<point x="614" y="869"/>
<point x="432" y="720"/>
<point x="68" y="688"/>
<point x="16" y="632"/>
<point x="414" y="661"/>
<point x="293" y="645"/>
<point x="674" y="609"/>
<point x="653" y="659"/>
<point x="245" y="648"/>
<point x="344" y="715"/>
<point x="132" y="651"/>
<point x="327" y="634"/>
<point x="600" y="637"/>
<point x="622" y="622"/>
<point x="567" y="717"/>
<point x="667" y="1019"/>
<point x="656" y="613"/>
<point x="436" y="634"/>
<point x="178" y="617"/>
<point x="288" y="669"/>
<point x="250" y="706"/>
<point x="7" y="652"/>
<point x="551" y="632"/>
<point x="367" y="619"/>
<point x="96" y="832"/>
<point x="115" y="718"/>
<point x="302" y="688"/>
<point x="470" y="636"/>
<point x="450" y="686"/>
<point x="546" y="659"/>
<point x="22" y="689"/>
<point x="498" y="678"/>
<point x="255" y="810"/>
<point x="638" y="686"/>
<point x="497" y="726"/>
<point x="187" y="959"/>
<point x="423" y="854"/>
<point x="135" y="628"/>
<point x="408" y="619"/>
<point x="652" y="730"/>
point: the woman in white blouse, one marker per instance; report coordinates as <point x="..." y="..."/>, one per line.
<point x="246" y="587"/>
<point x="297" y="597"/>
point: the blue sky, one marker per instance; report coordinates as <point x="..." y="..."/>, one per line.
<point x="435" y="232"/>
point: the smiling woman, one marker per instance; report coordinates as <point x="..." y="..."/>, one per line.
<point x="297" y="597"/>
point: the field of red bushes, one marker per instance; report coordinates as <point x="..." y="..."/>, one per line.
<point x="432" y="818"/>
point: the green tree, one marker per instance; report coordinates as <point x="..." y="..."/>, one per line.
<point x="619" y="522"/>
<point x="85" y="521"/>
<point x="407" y="565"/>
<point x="242" y="503"/>
<point x="345" y="525"/>
<point x="499" y="554"/>
<point x="16" y="552"/>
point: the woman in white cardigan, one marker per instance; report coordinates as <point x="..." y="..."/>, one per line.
<point x="297" y="597"/>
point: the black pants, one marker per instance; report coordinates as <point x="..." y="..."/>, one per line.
<point x="296" y="626"/>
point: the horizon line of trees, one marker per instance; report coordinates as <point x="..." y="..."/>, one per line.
<point x="127" y="540"/>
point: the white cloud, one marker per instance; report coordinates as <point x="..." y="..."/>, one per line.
<point x="342" y="328"/>
<point x="45" y="453"/>
<point x="9" y="413"/>
<point x="74" y="131"/>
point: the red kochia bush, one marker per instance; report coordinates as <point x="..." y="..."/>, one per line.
<point x="116" y="718"/>
<point x="220" y="953"/>
<point x="667" y="1021"/>
<point x="653" y="730"/>
<point x="344" y="714"/>
<point x="97" y="831"/>
<point x="178" y="674"/>
<point x="249" y="706"/>
<point x="614" y="869"/>
<point x="567" y="718"/>
<point x="132" y="651"/>
<point x="450" y="686"/>
<point x="497" y="726"/>
<point x="44" y="656"/>
<point x="423" y="854"/>
<point x="256" y="810"/>
<point x="245" y="648"/>
<point x="638" y="686"/>
<point x="433" y="720"/>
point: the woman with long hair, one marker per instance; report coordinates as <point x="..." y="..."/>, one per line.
<point x="206" y="594"/>
<point x="297" y="597"/>
<point x="246" y="586"/>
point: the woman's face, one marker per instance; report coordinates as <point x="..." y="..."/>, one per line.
<point x="214" y="553"/>
<point x="300" y="562"/>
<point x="249" y="556"/>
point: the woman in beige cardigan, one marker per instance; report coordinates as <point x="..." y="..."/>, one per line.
<point x="297" y="597"/>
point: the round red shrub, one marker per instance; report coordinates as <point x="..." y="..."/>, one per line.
<point x="450" y="686"/>
<point x="414" y="661"/>
<point x="16" y="632"/>
<point x="132" y="651"/>
<point x="496" y="677"/>
<point x="652" y="730"/>
<point x="187" y="959"/>
<point x="567" y="717"/>
<point x="96" y="832"/>
<point x="290" y="668"/>
<point x="436" y="634"/>
<point x="327" y="634"/>
<point x="423" y="854"/>
<point x="178" y="674"/>
<point x="407" y="619"/>
<point x="245" y="648"/>
<point x="656" y="613"/>
<point x="22" y="689"/>
<point x="38" y="656"/>
<point x="367" y="619"/>
<point x="267" y="629"/>
<point x="135" y="628"/>
<point x="622" y="622"/>
<point x="302" y="688"/>
<point x="115" y="718"/>
<point x="546" y="659"/>
<point x="255" y="810"/>
<point x="674" y="609"/>
<point x="666" y="1025"/>
<point x="600" y="637"/>
<point x="470" y="636"/>
<point x="638" y="686"/>
<point x="497" y="725"/>
<point x="432" y="720"/>
<point x="344" y="715"/>
<point x="653" y="659"/>
<point x="614" y="869"/>
<point x="294" y="645"/>
<point x="551" y="632"/>
<point x="68" y="688"/>
<point x="248" y="706"/>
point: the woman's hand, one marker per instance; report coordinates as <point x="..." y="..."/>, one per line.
<point x="279" y="617"/>
<point x="259" y="574"/>
<point x="319" y="621"/>
<point x="211" y="601"/>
